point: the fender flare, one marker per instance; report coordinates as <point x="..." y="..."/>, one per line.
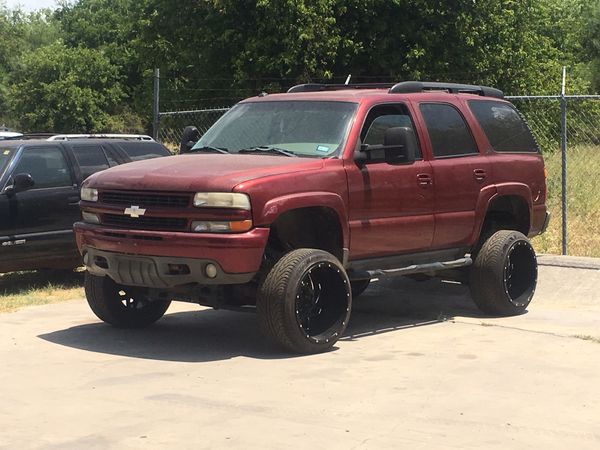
<point x="277" y="206"/>
<point x="490" y="193"/>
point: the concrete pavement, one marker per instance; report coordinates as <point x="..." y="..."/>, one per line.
<point x="419" y="368"/>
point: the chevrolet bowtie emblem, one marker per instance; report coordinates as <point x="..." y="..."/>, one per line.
<point x="134" y="211"/>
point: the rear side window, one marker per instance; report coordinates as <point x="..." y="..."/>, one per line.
<point x="503" y="126"/>
<point x="448" y="131"/>
<point x="143" y="150"/>
<point x="91" y="159"/>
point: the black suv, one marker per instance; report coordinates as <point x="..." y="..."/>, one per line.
<point x="39" y="195"/>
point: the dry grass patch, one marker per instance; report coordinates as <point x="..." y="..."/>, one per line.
<point x="22" y="289"/>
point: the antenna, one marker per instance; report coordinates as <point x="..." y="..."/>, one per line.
<point x="348" y="79"/>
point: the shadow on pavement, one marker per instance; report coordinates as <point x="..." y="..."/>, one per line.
<point x="209" y="335"/>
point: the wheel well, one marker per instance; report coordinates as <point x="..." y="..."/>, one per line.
<point x="508" y="212"/>
<point x="312" y="227"/>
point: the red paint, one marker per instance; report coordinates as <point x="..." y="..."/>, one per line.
<point x="382" y="209"/>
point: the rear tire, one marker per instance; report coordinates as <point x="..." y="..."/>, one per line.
<point x="504" y="275"/>
<point x="304" y="302"/>
<point x="122" y="306"/>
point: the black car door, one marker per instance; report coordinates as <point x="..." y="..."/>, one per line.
<point x="43" y="216"/>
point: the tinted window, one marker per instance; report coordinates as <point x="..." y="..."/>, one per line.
<point x="308" y="128"/>
<point x="47" y="166"/>
<point x="382" y="118"/>
<point x="143" y="150"/>
<point x="503" y="126"/>
<point x="91" y="159"/>
<point x="448" y="131"/>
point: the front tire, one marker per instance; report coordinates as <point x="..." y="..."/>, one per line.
<point x="304" y="302"/>
<point x="122" y="306"/>
<point x="504" y="276"/>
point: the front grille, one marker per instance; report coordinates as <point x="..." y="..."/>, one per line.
<point x="145" y="199"/>
<point x="146" y="223"/>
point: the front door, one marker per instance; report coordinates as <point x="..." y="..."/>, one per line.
<point x="390" y="206"/>
<point x="42" y="217"/>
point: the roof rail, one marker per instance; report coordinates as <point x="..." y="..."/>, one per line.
<point x="406" y="87"/>
<point x="69" y="137"/>
<point x="317" y="87"/>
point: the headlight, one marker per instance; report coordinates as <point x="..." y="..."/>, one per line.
<point x="89" y="194"/>
<point x="222" y="200"/>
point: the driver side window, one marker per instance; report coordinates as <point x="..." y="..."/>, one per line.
<point x="47" y="166"/>
<point x="383" y="117"/>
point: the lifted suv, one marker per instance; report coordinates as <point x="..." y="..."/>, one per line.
<point x="291" y="203"/>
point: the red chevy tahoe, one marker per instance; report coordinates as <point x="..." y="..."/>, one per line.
<point x="291" y="203"/>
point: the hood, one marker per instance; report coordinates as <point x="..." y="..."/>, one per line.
<point x="198" y="173"/>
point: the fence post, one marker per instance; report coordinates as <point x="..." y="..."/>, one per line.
<point x="156" y="106"/>
<point x="563" y="148"/>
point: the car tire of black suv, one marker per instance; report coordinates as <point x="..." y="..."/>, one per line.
<point x="122" y="306"/>
<point x="305" y="301"/>
<point x="504" y="275"/>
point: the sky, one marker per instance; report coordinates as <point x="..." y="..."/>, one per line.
<point x="31" y="5"/>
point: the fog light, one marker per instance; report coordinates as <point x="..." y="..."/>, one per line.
<point x="211" y="271"/>
<point x="90" y="217"/>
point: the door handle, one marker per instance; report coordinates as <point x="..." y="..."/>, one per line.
<point x="424" y="179"/>
<point x="479" y="174"/>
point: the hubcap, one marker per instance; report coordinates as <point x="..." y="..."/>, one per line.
<point x="322" y="302"/>
<point x="520" y="273"/>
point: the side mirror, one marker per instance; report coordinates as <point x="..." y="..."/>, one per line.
<point x="400" y="145"/>
<point x="21" y="182"/>
<point x="190" y="136"/>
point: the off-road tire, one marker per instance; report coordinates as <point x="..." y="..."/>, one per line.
<point x="305" y="301"/>
<point x="358" y="287"/>
<point x="122" y="306"/>
<point x="504" y="275"/>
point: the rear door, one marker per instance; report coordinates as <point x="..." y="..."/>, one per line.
<point x="460" y="172"/>
<point x="43" y="216"/>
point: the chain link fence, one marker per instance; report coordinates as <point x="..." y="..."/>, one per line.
<point x="582" y="168"/>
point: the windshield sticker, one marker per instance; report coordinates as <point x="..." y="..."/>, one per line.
<point x="6" y="152"/>
<point x="322" y="148"/>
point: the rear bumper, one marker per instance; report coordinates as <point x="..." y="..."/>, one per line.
<point x="232" y="253"/>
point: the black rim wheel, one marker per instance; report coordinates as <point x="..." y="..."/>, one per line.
<point x="520" y="273"/>
<point x="322" y="302"/>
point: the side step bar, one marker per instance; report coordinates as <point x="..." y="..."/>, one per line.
<point x="429" y="268"/>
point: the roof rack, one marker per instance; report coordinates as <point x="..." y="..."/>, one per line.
<point x="317" y="87"/>
<point x="453" y="88"/>
<point x="405" y="87"/>
<point x="69" y="137"/>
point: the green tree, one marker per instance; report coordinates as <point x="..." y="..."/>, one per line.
<point x="61" y="89"/>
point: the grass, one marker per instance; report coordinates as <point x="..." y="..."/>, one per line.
<point x="583" y="202"/>
<point x="22" y="289"/>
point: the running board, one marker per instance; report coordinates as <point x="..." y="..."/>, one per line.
<point x="415" y="268"/>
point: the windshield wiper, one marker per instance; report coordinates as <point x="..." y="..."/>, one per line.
<point x="268" y="149"/>
<point x="209" y="148"/>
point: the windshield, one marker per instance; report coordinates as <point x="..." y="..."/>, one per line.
<point x="303" y="128"/>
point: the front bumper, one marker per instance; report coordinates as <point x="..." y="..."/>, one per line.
<point x="153" y="251"/>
